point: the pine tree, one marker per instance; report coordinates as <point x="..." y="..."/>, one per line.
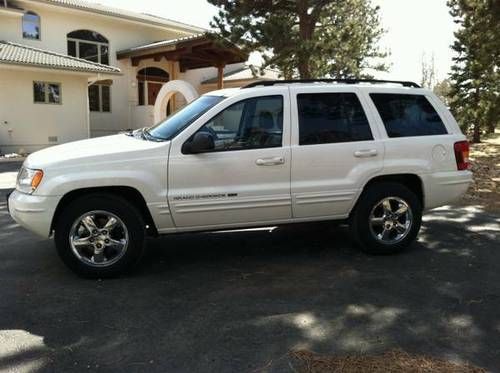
<point x="306" y="38"/>
<point x="475" y="75"/>
<point x="442" y="89"/>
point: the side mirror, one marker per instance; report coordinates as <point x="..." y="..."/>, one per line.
<point x="202" y="142"/>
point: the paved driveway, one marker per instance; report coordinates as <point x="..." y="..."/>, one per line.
<point x="236" y="302"/>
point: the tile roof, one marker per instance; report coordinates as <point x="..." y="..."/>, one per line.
<point x="162" y="43"/>
<point x="121" y="13"/>
<point x="23" y="55"/>
<point x="245" y="73"/>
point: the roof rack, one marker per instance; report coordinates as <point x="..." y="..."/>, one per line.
<point x="267" y="83"/>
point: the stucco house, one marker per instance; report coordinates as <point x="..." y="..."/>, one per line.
<point x="70" y="69"/>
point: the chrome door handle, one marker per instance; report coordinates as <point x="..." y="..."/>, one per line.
<point x="365" y="153"/>
<point x="270" y="161"/>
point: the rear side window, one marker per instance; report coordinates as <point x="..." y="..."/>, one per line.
<point x="408" y="115"/>
<point x="326" y="118"/>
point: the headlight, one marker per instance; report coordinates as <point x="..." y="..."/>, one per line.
<point x="28" y="180"/>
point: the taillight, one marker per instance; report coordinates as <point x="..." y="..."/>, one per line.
<point x="462" y="155"/>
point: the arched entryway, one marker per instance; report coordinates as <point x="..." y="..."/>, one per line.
<point x="167" y="92"/>
<point x="149" y="83"/>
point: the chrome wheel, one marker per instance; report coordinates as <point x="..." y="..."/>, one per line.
<point x="391" y="220"/>
<point x="99" y="238"/>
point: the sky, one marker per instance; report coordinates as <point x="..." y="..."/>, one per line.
<point x="414" y="29"/>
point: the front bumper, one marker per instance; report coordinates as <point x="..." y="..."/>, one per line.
<point x="32" y="212"/>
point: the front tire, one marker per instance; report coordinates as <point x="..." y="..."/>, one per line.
<point x="386" y="219"/>
<point x="100" y="236"/>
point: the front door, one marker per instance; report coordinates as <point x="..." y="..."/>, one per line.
<point x="153" y="90"/>
<point x="246" y="178"/>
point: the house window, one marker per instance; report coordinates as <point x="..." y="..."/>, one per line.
<point x="149" y="82"/>
<point x="46" y="93"/>
<point x="89" y="45"/>
<point x="31" y="26"/>
<point x="100" y="98"/>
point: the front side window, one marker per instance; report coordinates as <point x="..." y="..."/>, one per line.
<point x="100" y="98"/>
<point x="31" y="26"/>
<point x="89" y="45"/>
<point x="408" y="115"/>
<point x="326" y="118"/>
<point x="46" y="93"/>
<point x="249" y="124"/>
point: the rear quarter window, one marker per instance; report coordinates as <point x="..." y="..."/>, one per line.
<point x="407" y="115"/>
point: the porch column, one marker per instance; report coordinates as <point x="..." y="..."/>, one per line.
<point x="220" y="76"/>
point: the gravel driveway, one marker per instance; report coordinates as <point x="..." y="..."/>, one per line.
<point x="238" y="301"/>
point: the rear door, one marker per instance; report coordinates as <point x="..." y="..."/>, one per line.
<point x="246" y="178"/>
<point x="335" y="149"/>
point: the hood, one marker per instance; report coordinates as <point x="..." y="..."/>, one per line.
<point x="98" y="150"/>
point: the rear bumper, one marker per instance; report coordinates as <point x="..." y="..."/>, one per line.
<point x="33" y="212"/>
<point x="442" y="188"/>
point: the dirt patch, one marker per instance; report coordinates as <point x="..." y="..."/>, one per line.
<point x="394" y="361"/>
<point x="485" y="159"/>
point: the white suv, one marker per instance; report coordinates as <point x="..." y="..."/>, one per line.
<point x="372" y="153"/>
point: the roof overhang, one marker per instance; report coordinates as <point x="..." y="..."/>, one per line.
<point x="144" y="20"/>
<point x="13" y="12"/>
<point x="41" y="69"/>
<point x="191" y="52"/>
<point x="24" y="56"/>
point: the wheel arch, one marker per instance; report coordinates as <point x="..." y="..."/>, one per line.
<point x="409" y="180"/>
<point x="128" y="193"/>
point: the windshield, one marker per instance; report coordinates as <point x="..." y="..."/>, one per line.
<point x="176" y="122"/>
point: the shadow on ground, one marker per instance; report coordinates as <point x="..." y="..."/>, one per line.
<point x="238" y="301"/>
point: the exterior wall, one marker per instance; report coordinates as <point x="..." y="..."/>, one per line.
<point x="57" y="22"/>
<point x="26" y="126"/>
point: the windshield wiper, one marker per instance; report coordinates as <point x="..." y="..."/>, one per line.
<point x="148" y="136"/>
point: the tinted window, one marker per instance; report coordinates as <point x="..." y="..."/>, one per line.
<point x="248" y="124"/>
<point x="408" y="115"/>
<point x="331" y="118"/>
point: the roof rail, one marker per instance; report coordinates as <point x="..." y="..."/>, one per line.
<point x="267" y="83"/>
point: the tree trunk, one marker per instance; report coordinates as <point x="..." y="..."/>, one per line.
<point x="476" y="134"/>
<point x="491" y="128"/>
<point x="306" y="29"/>
<point x="304" y="70"/>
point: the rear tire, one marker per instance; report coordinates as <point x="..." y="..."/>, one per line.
<point x="100" y="236"/>
<point x="386" y="219"/>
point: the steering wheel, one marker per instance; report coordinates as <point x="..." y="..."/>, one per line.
<point x="210" y="131"/>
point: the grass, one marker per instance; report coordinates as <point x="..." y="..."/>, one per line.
<point x="394" y="361"/>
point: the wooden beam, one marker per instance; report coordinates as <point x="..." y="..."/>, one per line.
<point x="220" y="76"/>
